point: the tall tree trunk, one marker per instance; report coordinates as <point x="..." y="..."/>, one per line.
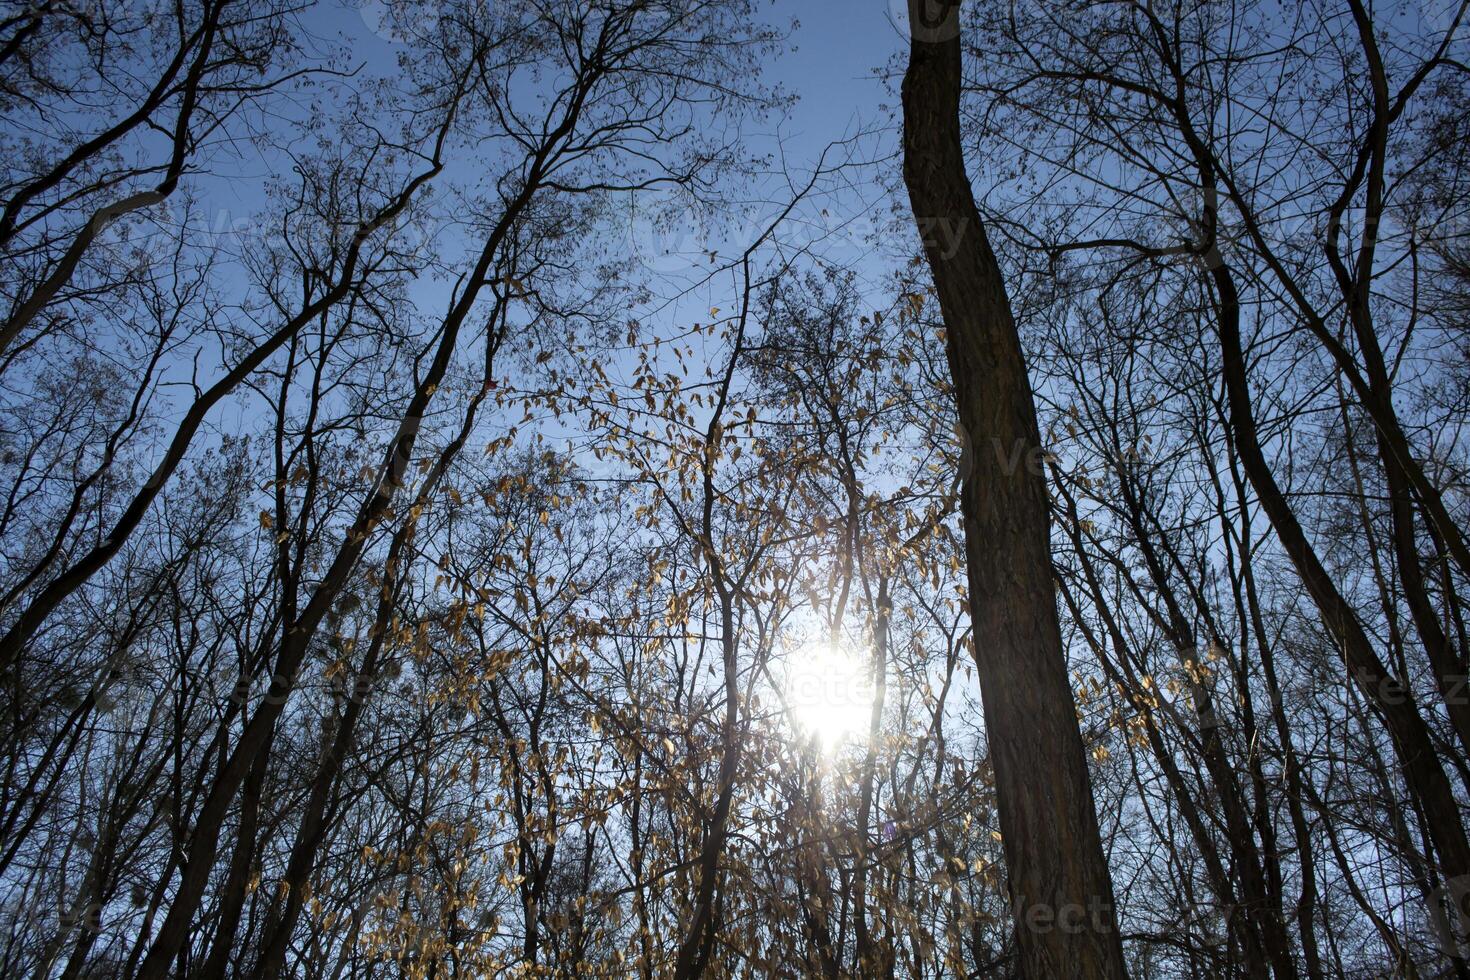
<point x="1058" y="876"/>
<point x="1390" y="697"/>
<point x="236" y="891"/>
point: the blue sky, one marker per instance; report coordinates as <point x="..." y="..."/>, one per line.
<point x="836" y="49"/>
<point x="831" y="63"/>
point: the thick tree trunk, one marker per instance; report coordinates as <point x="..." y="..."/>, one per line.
<point x="1059" y="881"/>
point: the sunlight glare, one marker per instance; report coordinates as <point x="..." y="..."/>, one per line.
<point x="829" y="691"/>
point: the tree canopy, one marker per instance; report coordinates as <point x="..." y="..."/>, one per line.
<point x="483" y="493"/>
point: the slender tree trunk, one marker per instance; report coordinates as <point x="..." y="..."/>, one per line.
<point x="236" y="890"/>
<point x="1058" y="876"/>
<point x="1420" y="763"/>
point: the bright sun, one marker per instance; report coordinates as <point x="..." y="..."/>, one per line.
<point x="829" y="691"/>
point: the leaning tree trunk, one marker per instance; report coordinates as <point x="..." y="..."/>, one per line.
<point x="1065" y="922"/>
